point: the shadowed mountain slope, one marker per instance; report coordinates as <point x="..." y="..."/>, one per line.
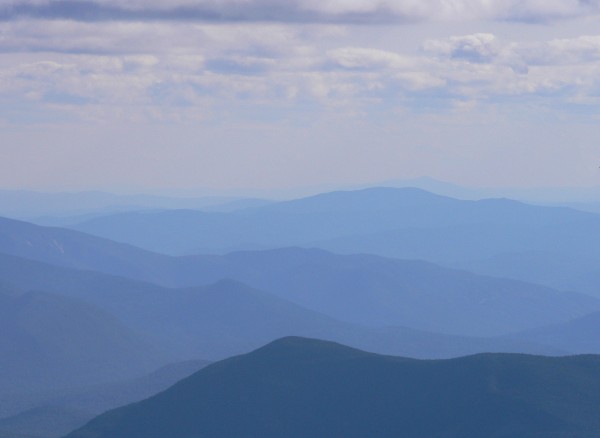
<point x="52" y="341"/>
<point x="297" y="387"/>
<point x="55" y="414"/>
<point x="62" y="247"/>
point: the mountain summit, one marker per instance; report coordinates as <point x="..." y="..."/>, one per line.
<point x="297" y="387"/>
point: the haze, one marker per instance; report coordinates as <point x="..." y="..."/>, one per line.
<point x="357" y="218"/>
<point x="256" y="94"/>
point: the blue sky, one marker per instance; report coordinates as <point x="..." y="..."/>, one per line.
<point x="264" y="94"/>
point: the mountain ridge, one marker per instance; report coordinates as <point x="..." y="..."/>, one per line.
<point x="297" y="387"/>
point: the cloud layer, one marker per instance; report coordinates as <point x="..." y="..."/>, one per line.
<point x="298" y="11"/>
<point x="280" y="92"/>
<point x="191" y="70"/>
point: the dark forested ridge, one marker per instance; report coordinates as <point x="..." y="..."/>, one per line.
<point x="297" y="387"/>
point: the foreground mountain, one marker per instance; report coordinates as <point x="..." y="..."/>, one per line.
<point x="298" y="387"/>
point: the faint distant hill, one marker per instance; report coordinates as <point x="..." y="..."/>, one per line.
<point x="299" y="387"/>
<point x="577" y="196"/>
<point x="550" y="246"/>
<point x="344" y="217"/>
<point x="287" y="223"/>
<point x="52" y="206"/>
<point x="491" y="236"/>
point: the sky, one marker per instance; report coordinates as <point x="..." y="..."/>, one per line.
<point x="217" y="95"/>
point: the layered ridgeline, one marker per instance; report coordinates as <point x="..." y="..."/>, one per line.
<point x="495" y="236"/>
<point x="290" y="292"/>
<point x="229" y="317"/>
<point x="368" y="290"/>
<point x="298" y="387"/>
<point x="70" y="207"/>
<point x="335" y="215"/>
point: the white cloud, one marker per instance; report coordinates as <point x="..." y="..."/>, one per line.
<point x="368" y="58"/>
<point x="187" y="68"/>
<point x="481" y="47"/>
<point x="579" y="50"/>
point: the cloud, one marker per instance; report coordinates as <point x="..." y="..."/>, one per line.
<point x="480" y="47"/>
<point x="537" y="11"/>
<point x="292" y="11"/>
<point x="298" y="11"/>
<point x="486" y="48"/>
<point x="162" y="70"/>
<point x="367" y="58"/>
<point x="583" y="49"/>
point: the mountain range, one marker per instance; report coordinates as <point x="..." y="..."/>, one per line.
<point x="98" y="313"/>
<point x="363" y="289"/>
<point x="67" y="206"/>
<point x="228" y="317"/>
<point x="323" y="217"/>
<point x="491" y="236"/>
<point x="300" y="387"/>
